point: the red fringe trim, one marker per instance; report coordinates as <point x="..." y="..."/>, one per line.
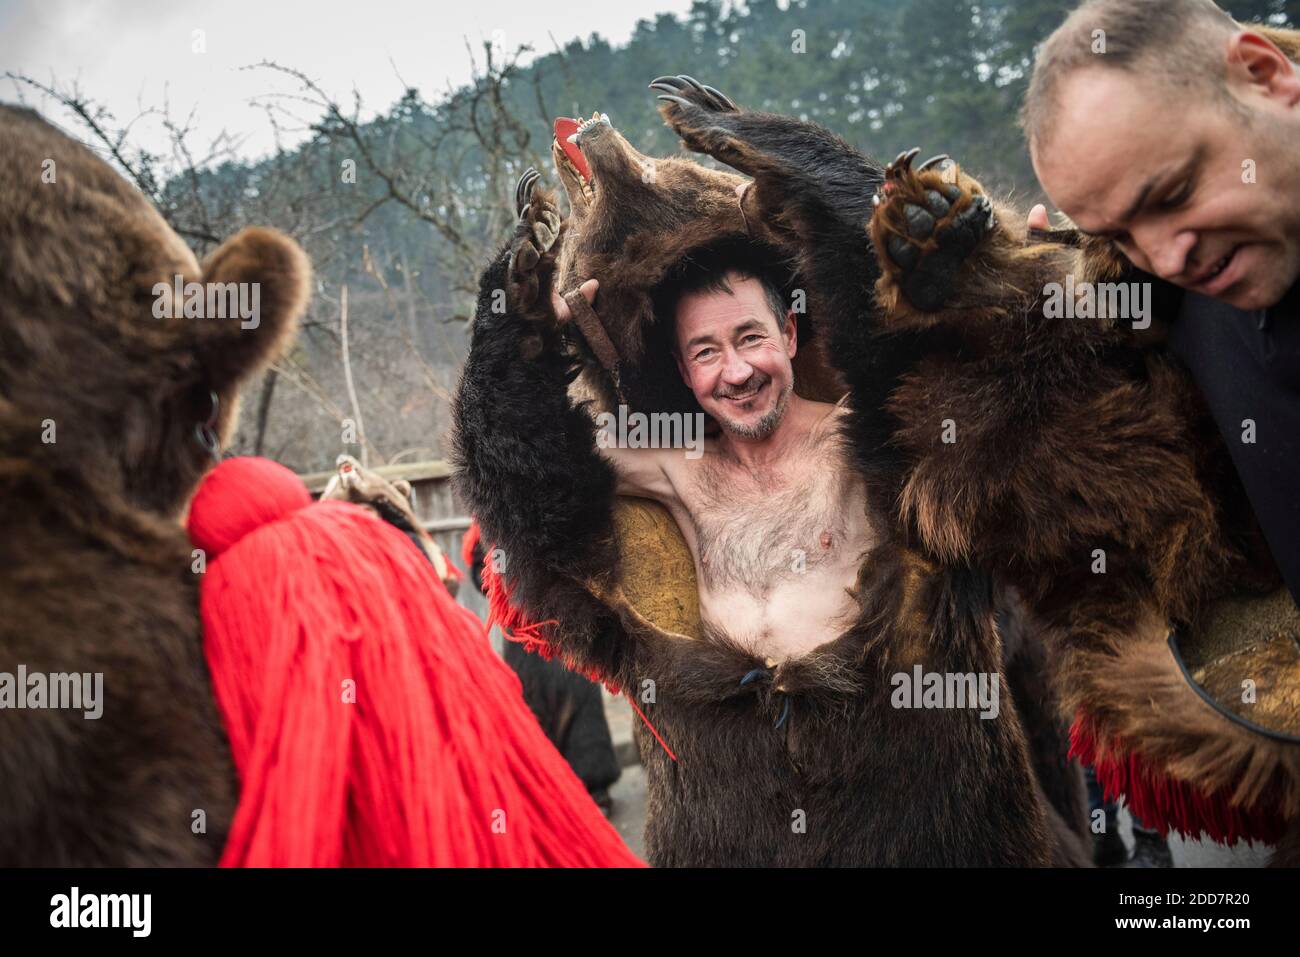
<point x="516" y="626"/>
<point x="1164" y="802"/>
<point x="467" y="543"/>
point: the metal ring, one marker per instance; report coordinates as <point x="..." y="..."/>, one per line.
<point x="207" y="438"/>
<point x="206" y="433"/>
<point x="214" y="403"/>
<point x="1209" y="699"/>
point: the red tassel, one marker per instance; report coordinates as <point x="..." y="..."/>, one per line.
<point x="467" y="543"/>
<point x="512" y="620"/>
<point x="516" y="625"/>
<point x="369" y="720"/>
<point x="1163" y="802"/>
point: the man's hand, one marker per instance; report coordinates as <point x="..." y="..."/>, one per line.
<point x="1038" y="218"/>
<point x="562" y="311"/>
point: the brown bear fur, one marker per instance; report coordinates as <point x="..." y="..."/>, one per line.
<point x="875" y="785"/>
<point x="95" y="568"/>
<point x="1071" y="435"/>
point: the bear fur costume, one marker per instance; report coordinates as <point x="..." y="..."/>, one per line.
<point x="1073" y="439"/>
<point x="99" y="405"/>
<point x="809" y="765"/>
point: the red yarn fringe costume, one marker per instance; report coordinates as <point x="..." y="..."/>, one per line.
<point x="369" y="719"/>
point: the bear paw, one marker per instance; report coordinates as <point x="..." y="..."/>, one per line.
<point x="700" y="115"/>
<point x="534" y="246"/>
<point x="927" y="222"/>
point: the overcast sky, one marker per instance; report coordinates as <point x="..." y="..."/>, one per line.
<point x="125" y="53"/>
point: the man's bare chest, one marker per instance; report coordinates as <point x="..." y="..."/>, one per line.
<point x="754" y="533"/>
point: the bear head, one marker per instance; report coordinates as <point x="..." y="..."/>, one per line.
<point x="120" y="354"/>
<point x="632" y="220"/>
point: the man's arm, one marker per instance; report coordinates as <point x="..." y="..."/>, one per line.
<point x="637" y="471"/>
<point x="642" y="472"/>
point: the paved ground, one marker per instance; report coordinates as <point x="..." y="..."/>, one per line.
<point x="628" y="791"/>
<point x="629" y="808"/>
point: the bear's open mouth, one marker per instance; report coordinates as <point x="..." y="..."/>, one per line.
<point x="568" y="136"/>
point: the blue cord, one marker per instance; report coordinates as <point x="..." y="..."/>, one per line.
<point x="758" y="673"/>
<point x="785" y="713"/>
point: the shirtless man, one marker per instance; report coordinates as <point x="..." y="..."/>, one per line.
<point x="771" y="729"/>
<point x="773" y="514"/>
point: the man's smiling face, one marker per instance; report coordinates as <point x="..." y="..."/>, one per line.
<point x="1168" y="177"/>
<point x="734" y="356"/>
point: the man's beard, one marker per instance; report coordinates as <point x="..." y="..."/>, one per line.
<point x="767" y="424"/>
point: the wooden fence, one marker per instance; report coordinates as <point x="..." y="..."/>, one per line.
<point x="439" y="510"/>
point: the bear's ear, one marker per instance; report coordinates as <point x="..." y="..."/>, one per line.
<point x="272" y="279"/>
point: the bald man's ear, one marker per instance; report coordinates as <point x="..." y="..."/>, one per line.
<point x="1256" y="64"/>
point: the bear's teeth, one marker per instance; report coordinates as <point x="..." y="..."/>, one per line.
<point x="596" y="118"/>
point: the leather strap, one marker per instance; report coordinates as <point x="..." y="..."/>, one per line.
<point x="1061" y="237"/>
<point x="593" y="330"/>
<point x="740" y="201"/>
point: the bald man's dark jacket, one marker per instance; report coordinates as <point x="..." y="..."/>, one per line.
<point x="1247" y="367"/>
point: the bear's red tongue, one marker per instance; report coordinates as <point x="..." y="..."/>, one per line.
<point x="564" y="128"/>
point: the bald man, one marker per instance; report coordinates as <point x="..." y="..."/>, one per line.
<point x="1166" y="127"/>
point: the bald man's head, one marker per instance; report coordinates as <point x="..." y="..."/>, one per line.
<point x="1169" y="129"/>
<point x="1176" y="43"/>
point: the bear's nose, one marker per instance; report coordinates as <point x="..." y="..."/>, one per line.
<point x="590" y="129"/>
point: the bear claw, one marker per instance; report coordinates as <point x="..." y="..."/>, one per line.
<point x="688" y="91"/>
<point x="524" y="190"/>
<point x="926" y="230"/>
<point x="903" y="161"/>
<point x="673" y="98"/>
<point x="537" y="232"/>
